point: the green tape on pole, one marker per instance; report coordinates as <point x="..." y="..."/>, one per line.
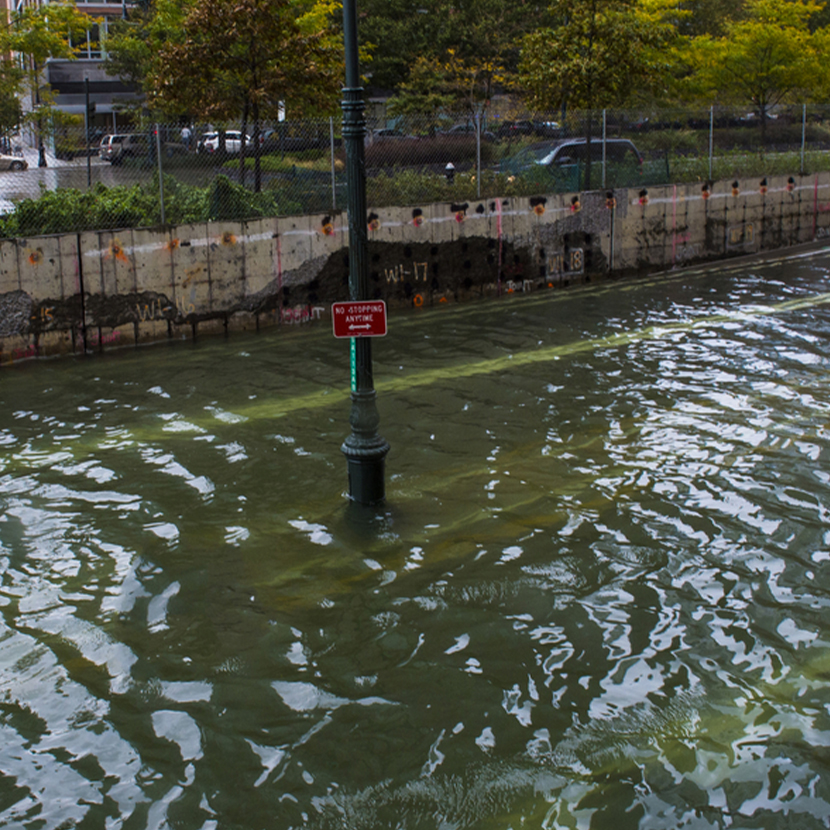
<point x="353" y="351"/>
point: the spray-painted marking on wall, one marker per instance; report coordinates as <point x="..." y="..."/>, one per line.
<point x="301" y="314"/>
<point x="156" y="310"/>
<point x="94" y="339"/>
<point x="20" y="354"/>
<point x="740" y="236"/>
<point x="687" y="252"/>
<point x="43" y="315"/>
<point x="399" y="273"/>
<point x="512" y="285"/>
<point x="572" y="262"/>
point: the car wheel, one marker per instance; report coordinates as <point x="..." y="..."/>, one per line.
<point x="17" y="165"/>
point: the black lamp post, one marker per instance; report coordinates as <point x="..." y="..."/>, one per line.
<point x="364" y="449"/>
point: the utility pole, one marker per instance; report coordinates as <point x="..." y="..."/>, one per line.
<point x="364" y="449"/>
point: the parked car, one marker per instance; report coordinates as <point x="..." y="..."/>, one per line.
<point x="117" y="147"/>
<point x="468" y="129"/>
<point x="281" y="141"/>
<point x="571" y="151"/>
<point x="559" y="165"/>
<point x="514" y="129"/>
<point x="9" y="161"/>
<point x="210" y="142"/>
<point x="575" y="150"/>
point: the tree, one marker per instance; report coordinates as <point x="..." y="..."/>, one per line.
<point x="134" y="42"/>
<point x="423" y="94"/>
<point x="33" y="35"/>
<point x="451" y="84"/>
<point x="397" y="34"/>
<point x="11" y="113"/>
<point x="400" y="33"/>
<point x="708" y="17"/>
<point x="768" y="58"/>
<point x="248" y="58"/>
<point x="600" y="53"/>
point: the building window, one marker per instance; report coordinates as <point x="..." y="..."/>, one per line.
<point x="88" y="45"/>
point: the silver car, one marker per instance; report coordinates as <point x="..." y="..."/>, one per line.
<point x="10" y="162"/>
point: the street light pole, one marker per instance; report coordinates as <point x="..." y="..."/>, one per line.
<point x="364" y="449"/>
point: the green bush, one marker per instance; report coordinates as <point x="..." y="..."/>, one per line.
<point x="59" y="211"/>
<point x="135" y="206"/>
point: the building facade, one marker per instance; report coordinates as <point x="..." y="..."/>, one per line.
<point x="70" y="81"/>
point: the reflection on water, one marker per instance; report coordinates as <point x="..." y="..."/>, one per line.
<point x="597" y="596"/>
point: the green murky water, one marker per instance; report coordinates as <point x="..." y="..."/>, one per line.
<point x="596" y="598"/>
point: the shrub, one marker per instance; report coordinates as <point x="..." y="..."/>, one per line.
<point x="136" y="206"/>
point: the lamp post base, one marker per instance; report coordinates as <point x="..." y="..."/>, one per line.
<point x="366" y="466"/>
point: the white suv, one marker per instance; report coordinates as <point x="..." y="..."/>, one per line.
<point x="233" y="142"/>
<point x="115" y="148"/>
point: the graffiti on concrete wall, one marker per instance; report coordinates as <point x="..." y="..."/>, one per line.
<point x="161" y="308"/>
<point x="301" y="314"/>
<point x="110" y="290"/>
<point x="15" y="313"/>
<point x="740" y="236"/>
<point x="561" y="263"/>
<point x="416" y="271"/>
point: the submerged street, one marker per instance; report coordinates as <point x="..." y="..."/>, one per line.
<point x="596" y="597"/>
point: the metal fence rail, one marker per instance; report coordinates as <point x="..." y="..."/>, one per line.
<point x="162" y="173"/>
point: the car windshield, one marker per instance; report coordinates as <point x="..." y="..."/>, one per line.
<point x="616" y="152"/>
<point x="538" y="155"/>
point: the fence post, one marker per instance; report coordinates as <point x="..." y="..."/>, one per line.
<point x="333" y="170"/>
<point x="161" y="176"/>
<point x="711" y="139"/>
<point x="478" y="154"/>
<point x="604" y="144"/>
<point x="87" y="128"/>
<point x="803" y="134"/>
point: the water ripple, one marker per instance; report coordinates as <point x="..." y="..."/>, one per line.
<point x="597" y="593"/>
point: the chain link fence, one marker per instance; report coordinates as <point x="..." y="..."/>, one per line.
<point x="160" y="173"/>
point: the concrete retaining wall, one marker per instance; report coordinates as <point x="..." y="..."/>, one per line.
<point x="92" y="291"/>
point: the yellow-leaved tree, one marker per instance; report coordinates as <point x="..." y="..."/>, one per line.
<point x="767" y="58"/>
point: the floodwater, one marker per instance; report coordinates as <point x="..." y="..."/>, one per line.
<point x="597" y="596"/>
